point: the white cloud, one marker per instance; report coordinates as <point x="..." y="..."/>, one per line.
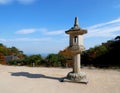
<point x="25" y="39"/>
<point x="45" y="31"/>
<point x="107" y="29"/>
<point x="19" y="1"/>
<point x="33" y="39"/>
<point x="5" y="1"/>
<point x="57" y="32"/>
<point x="26" y="31"/>
<point x="26" y="1"/>
<point x="2" y="40"/>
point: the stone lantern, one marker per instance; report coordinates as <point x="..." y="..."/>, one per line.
<point x="75" y="48"/>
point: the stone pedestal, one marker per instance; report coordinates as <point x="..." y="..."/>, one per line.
<point x="77" y="77"/>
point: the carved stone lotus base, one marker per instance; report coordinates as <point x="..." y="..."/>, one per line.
<point x="77" y="77"/>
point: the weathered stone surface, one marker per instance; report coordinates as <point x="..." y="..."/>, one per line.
<point x="76" y="49"/>
<point x="77" y="77"/>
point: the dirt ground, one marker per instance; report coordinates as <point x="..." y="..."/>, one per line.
<point x="14" y="79"/>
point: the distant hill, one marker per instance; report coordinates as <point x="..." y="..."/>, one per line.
<point x="104" y="55"/>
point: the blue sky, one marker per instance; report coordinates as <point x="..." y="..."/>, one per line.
<point x="38" y="26"/>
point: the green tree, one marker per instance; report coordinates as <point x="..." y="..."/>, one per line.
<point x="3" y="49"/>
<point x="63" y="60"/>
<point x="100" y="50"/>
<point x="14" y="50"/>
<point x="53" y="60"/>
<point x="33" y="60"/>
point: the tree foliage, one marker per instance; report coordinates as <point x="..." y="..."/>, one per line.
<point x="12" y="51"/>
<point x="104" y="55"/>
<point x="9" y="51"/>
<point x="54" y="60"/>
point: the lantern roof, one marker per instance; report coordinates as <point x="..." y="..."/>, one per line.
<point x="76" y="29"/>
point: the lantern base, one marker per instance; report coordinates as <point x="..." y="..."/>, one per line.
<point x="76" y="77"/>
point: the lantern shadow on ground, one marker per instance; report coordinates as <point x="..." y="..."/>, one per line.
<point x="30" y="75"/>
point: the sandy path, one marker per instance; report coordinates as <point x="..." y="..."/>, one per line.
<point x="46" y="80"/>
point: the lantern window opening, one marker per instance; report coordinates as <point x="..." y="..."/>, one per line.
<point x="76" y="39"/>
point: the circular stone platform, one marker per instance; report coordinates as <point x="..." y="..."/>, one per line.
<point x="77" y="77"/>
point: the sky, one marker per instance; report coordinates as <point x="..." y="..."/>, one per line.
<point x="38" y="26"/>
